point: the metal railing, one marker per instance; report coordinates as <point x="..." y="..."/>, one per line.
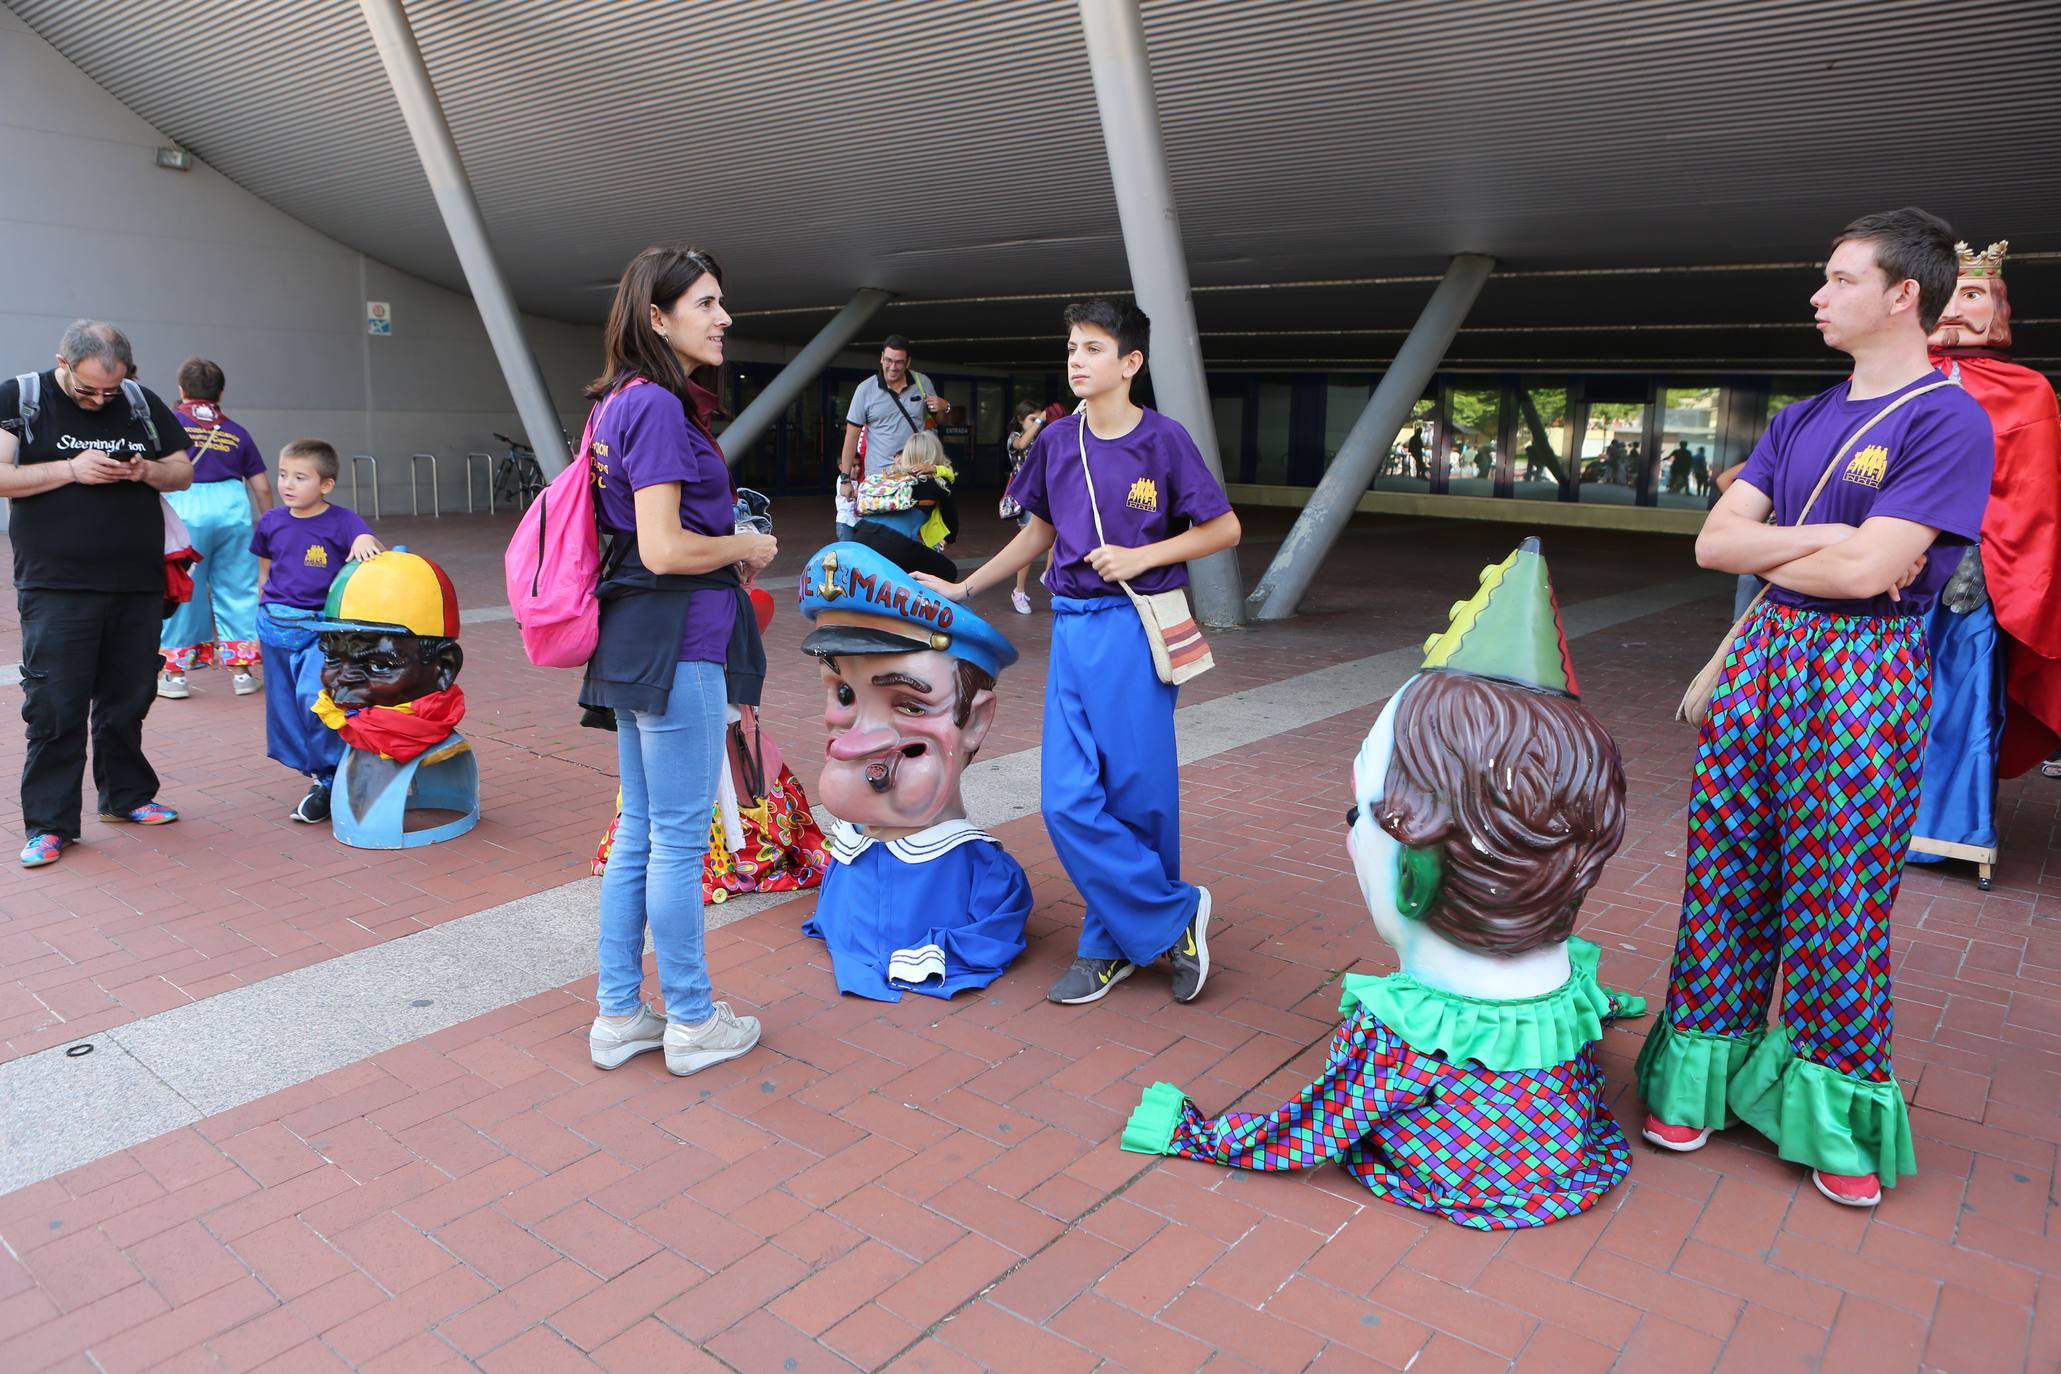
<point x="356" y="503"/>
<point x="436" y="508"/>
<point x="488" y="459"/>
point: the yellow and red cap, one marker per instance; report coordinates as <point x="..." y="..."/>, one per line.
<point x="395" y="590"/>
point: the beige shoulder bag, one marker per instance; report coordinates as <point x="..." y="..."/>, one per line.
<point x="1695" y="706"/>
<point x="1179" y="651"/>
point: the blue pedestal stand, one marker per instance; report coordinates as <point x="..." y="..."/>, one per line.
<point x="446" y="778"/>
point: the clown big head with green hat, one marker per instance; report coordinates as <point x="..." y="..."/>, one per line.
<point x="1486" y="798"/>
<point x="1465" y="1084"/>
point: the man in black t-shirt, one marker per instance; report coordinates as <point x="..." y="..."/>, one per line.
<point x="83" y="467"/>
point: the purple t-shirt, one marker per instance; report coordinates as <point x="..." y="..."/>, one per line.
<point x="227" y="454"/>
<point x="643" y="438"/>
<point x="1151" y="485"/>
<point x="1928" y="463"/>
<point x="306" y="554"/>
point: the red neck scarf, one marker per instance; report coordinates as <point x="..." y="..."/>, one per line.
<point x="397" y="732"/>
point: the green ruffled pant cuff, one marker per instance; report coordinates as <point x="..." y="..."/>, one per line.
<point x="1624" y="1004"/>
<point x="1150" y="1131"/>
<point x="1683" y="1075"/>
<point x="1822" y="1118"/>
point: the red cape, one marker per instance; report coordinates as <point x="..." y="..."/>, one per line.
<point x="2021" y="542"/>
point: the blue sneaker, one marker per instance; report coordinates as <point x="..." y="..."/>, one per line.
<point x="150" y="813"/>
<point x="41" y="850"/>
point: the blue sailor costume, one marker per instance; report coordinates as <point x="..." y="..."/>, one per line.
<point x="881" y="899"/>
<point x="941" y="910"/>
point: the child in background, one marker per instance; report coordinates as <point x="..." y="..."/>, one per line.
<point x="301" y="545"/>
<point x="847" y="506"/>
<point x="913" y="497"/>
<point x="1110" y="779"/>
<point x="923" y="458"/>
<point x="1030" y="421"/>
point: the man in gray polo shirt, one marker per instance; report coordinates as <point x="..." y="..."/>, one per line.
<point x="888" y="408"/>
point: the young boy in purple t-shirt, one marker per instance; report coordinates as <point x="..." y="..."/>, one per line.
<point x="1110" y="775"/>
<point x="1806" y="780"/>
<point x="301" y="546"/>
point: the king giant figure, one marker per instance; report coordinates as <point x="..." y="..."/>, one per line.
<point x="1996" y="634"/>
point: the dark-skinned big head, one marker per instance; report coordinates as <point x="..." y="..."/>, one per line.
<point x="362" y="668"/>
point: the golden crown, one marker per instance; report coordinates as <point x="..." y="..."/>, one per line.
<point x="1988" y="263"/>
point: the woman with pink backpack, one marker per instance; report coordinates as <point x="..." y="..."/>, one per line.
<point x="677" y="644"/>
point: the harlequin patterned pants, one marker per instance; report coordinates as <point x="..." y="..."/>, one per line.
<point x="1800" y="813"/>
<point x="1492" y="1151"/>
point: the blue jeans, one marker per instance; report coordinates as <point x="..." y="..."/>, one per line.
<point x="668" y="762"/>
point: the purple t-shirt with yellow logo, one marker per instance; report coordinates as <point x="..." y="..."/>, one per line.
<point x="222" y="450"/>
<point x="1150" y="485"/>
<point x="642" y="438"/>
<point x="1928" y="463"/>
<point x="306" y="554"/>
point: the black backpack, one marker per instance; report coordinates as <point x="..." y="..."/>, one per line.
<point x="31" y="384"/>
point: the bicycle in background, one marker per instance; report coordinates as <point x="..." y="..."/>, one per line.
<point x="518" y="476"/>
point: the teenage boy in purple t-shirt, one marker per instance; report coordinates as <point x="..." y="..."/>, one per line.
<point x="301" y="546"/>
<point x="1110" y="777"/>
<point x="1806" y="780"/>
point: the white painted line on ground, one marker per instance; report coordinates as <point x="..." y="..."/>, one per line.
<point x="58" y="1112"/>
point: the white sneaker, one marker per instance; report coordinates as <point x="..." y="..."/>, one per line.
<point x="1020" y="602"/>
<point x="690" y="1049"/>
<point x="173" y="686"/>
<point x="612" y="1046"/>
<point x="245" y="684"/>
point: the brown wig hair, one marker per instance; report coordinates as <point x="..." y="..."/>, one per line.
<point x="657" y="276"/>
<point x="1521" y="795"/>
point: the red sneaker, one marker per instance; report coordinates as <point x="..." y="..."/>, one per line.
<point x="1680" y="1139"/>
<point x="1849" y="1190"/>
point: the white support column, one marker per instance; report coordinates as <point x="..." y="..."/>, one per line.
<point x="453" y="190"/>
<point x="804" y="368"/>
<point x="1337" y="496"/>
<point x="1159" y="267"/>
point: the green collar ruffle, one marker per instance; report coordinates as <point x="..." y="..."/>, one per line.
<point x="1506" y="1037"/>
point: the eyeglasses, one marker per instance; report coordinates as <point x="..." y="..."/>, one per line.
<point x="99" y="393"/>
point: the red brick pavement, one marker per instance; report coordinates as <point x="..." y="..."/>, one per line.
<point x="936" y="1186"/>
<point x="138" y="921"/>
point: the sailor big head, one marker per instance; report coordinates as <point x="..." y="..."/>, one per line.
<point x="908" y="682"/>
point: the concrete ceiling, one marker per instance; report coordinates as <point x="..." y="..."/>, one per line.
<point x="950" y="152"/>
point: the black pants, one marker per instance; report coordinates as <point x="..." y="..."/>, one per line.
<point x="82" y="650"/>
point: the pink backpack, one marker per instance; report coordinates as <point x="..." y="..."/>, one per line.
<point x="553" y="564"/>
